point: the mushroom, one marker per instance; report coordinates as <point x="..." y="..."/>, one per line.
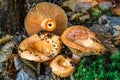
<point x="81" y="41"/>
<point x="40" y="47"/>
<point x="46" y="16"/>
<point x="62" y="66"/>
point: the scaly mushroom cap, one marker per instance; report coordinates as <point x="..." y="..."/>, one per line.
<point x="46" y="16"/>
<point x="81" y="40"/>
<point x="40" y="47"/>
<point x="62" y="66"/>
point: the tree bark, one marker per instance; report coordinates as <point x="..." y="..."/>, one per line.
<point x="13" y="12"/>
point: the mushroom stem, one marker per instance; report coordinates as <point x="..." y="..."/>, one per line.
<point x="79" y="53"/>
<point x="75" y="58"/>
<point x="48" y="24"/>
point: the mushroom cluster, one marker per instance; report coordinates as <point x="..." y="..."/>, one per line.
<point x="46" y="45"/>
<point x="44" y="23"/>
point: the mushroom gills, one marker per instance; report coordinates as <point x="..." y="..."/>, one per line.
<point x="46" y="16"/>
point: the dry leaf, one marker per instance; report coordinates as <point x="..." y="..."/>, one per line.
<point x="76" y="4"/>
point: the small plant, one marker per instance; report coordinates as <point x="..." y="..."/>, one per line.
<point x="97" y="12"/>
<point x="99" y="68"/>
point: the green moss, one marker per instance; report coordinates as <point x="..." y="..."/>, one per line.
<point x="98" y="12"/>
<point x="105" y="67"/>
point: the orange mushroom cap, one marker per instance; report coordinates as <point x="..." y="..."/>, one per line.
<point x="40" y="47"/>
<point x="62" y="66"/>
<point x="46" y="16"/>
<point x="83" y="40"/>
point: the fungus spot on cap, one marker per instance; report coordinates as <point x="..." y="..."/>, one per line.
<point x="41" y="32"/>
<point x="30" y="52"/>
<point x="50" y="56"/>
<point x="72" y="63"/>
<point x="20" y="50"/>
<point x="49" y="35"/>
